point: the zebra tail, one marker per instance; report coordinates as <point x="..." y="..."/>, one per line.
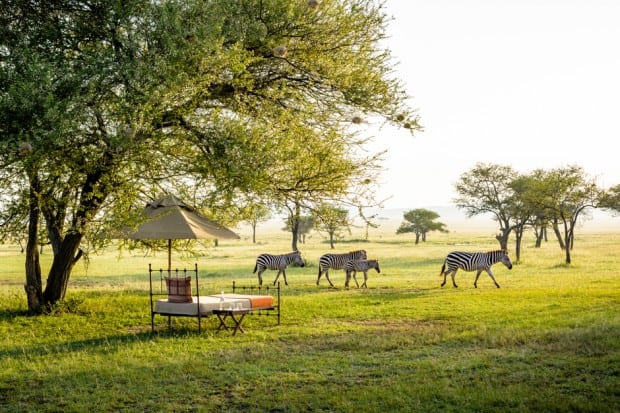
<point x="443" y="268"/>
<point x="255" y="268"/>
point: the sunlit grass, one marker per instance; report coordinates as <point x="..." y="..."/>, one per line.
<point x="547" y="340"/>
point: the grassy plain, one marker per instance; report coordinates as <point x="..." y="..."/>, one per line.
<point x="547" y="341"/>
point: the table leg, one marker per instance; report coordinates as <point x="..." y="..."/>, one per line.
<point x="238" y="323"/>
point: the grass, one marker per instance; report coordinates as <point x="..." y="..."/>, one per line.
<point x="547" y="341"/>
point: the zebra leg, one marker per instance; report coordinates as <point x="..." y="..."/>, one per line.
<point x="277" y="276"/>
<point x="454" y="275"/>
<point x="319" y="277"/>
<point x="365" y="279"/>
<point x="493" y="278"/>
<point x="355" y="279"/>
<point x="445" y="276"/>
<point x="476" y="280"/>
<point x="346" y="279"/>
<point x="260" y="276"/>
<point x="284" y="276"/>
<point x="327" y="278"/>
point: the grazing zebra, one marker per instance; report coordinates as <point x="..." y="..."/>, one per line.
<point x="353" y="266"/>
<point x="337" y="262"/>
<point x="470" y="261"/>
<point x="277" y="262"/>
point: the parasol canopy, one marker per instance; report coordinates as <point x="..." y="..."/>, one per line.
<point x="170" y="218"/>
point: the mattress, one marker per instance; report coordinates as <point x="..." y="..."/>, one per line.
<point x="256" y="301"/>
<point x="208" y="303"/>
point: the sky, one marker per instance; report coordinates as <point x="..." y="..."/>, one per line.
<point x="526" y="83"/>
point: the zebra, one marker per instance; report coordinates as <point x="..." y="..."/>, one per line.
<point x="352" y="266"/>
<point x="470" y="261"/>
<point x="337" y="262"/>
<point x="276" y="262"/>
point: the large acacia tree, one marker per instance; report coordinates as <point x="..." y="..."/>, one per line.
<point x="486" y="189"/>
<point x="103" y="103"/>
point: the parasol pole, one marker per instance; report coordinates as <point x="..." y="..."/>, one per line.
<point x="169" y="257"/>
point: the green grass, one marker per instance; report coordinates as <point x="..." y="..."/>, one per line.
<point x="547" y="341"/>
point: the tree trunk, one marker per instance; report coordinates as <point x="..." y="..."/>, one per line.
<point x="558" y="235"/>
<point x="502" y="238"/>
<point x="331" y="239"/>
<point x="539" y="232"/>
<point x="33" y="286"/>
<point x="62" y="265"/>
<point x="295" y="215"/>
<point x="417" y="238"/>
<point x="518" y="240"/>
<point x="253" y="233"/>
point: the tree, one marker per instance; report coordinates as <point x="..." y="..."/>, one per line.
<point x="486" y="189"/>
<point x="324" y="167"/>
<point x="565" y="194"/>
<point x="420" y="221"/>
<point x="299" y="227"/>
<point x="611" y="199"/>
<point x="331" y="219"/>
<point x="257" y="213"/>
<point x="522" y="212"/>
<point x="104" y="105"/>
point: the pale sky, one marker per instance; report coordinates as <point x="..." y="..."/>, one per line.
<point x="526" y="83"/>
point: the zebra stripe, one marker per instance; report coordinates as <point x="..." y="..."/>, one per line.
<point x="352" y="266"/>
<point x="337" y="262"/>
<point x="473" y="261"/>
<point x="276" y="262"/>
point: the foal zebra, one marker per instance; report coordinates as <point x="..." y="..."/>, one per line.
<point x="276" y="262"/>
<point x="337" y="262"/>
<point x="353" y="266"/>
<point x="470" y="261"/>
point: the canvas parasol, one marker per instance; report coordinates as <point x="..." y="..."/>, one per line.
<point x="170" y="218"/>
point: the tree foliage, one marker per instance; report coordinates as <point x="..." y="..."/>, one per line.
<point x="486" y="190"/>
<point x="564" y="194"/>
<point x="104" y="105"/>
<point x="611" y="199"/>
<point x="332" y="220"/>
<point x="420" y="221"/>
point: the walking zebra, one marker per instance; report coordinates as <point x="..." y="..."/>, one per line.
<point x="470" y="261"/>
<point x="353" y="266"/>
<point x="276" y="262"/>
<point x="337" y="262"/>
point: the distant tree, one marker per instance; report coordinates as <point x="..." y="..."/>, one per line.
<point x="331" y="219"/>
<point x="486" y="189"/>
<point x="320" y="168"/>
<point x="420" y="221"/>
<point x="523" y="214"/>
<point x="565" y="194"/>
<point x="368" y="221"/>
<point x="299" y="226"/>
<point x="611" y="199"/>
<point x="255" y="214"/>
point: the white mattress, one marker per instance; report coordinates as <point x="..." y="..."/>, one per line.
<point x="207" y="304"/>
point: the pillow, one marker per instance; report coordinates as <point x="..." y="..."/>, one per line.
<point x="179" y="290"/>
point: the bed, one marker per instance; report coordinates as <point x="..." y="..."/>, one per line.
<point x="182" y="299"/>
